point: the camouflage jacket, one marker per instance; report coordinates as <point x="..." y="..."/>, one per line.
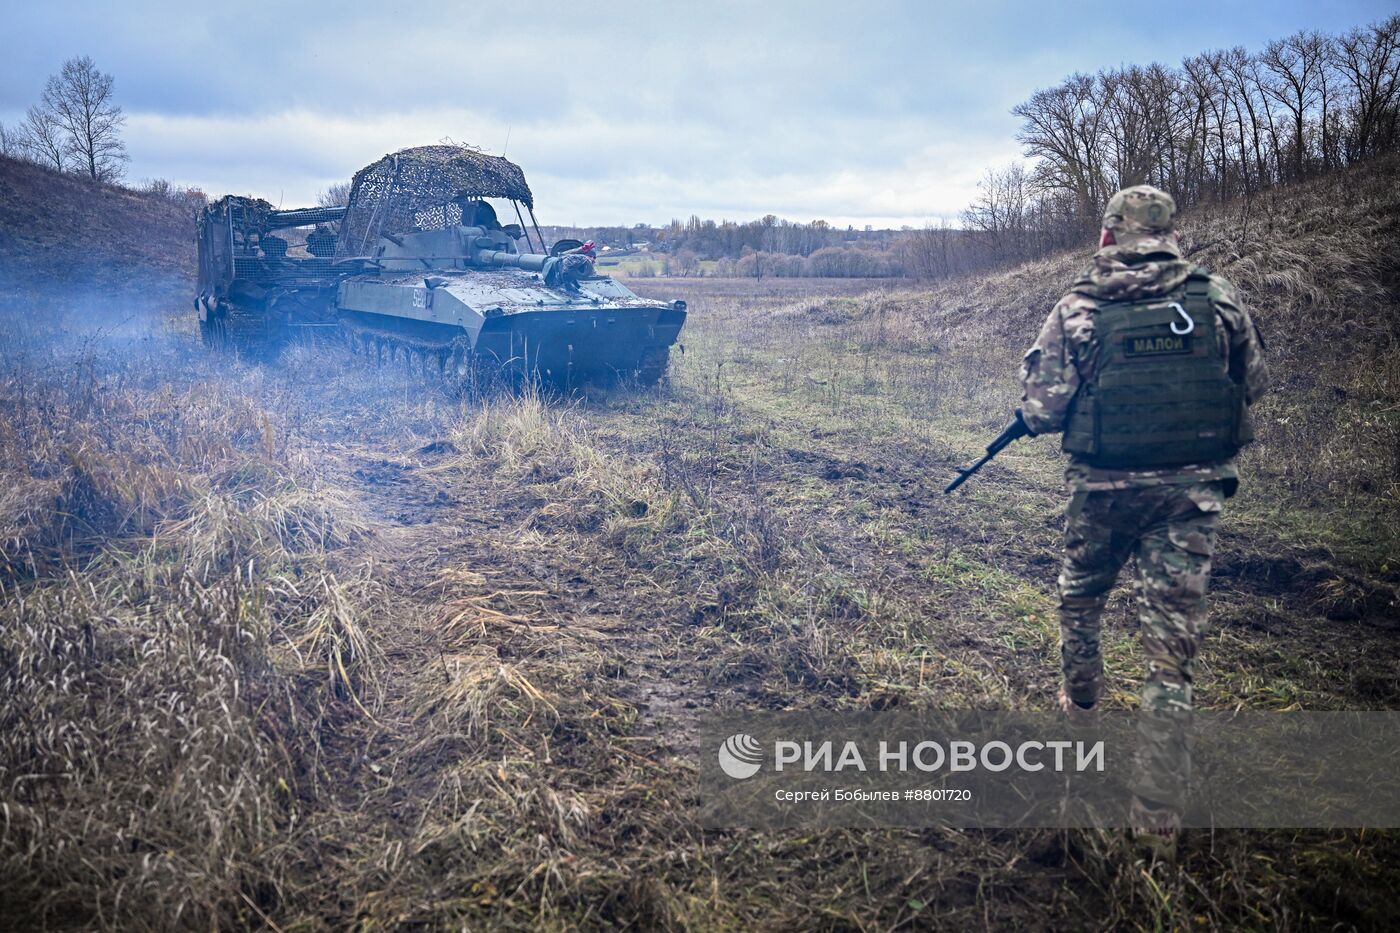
<point x="1064" y="354"/>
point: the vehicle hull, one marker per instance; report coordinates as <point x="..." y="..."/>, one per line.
<point x="510" y="320"/>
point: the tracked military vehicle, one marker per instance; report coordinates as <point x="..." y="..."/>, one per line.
<point x="419" y="264"/>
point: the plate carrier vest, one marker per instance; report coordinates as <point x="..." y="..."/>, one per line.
<point x="1161" y="395"/>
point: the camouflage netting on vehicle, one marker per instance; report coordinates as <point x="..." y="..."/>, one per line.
<point x="411" y="190"/>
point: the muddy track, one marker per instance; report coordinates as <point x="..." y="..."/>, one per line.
<point x="431" y="520"/>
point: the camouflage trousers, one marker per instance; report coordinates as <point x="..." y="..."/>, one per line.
<point x="1170" y="531"/>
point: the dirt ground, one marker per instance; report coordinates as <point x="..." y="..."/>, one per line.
<point x="435" y="662"/>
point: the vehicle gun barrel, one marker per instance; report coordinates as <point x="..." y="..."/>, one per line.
<point x="531" y="262"/>
<point x="304" y="217"/>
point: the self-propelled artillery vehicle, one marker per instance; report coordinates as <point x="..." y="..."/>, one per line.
<point x="418" y="263"/>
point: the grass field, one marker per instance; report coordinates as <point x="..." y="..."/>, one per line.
<point x="316" y="645"/>
<point x="630" y="265"/>
<point x="319" y="645"/>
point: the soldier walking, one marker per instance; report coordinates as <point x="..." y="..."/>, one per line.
<point x="1147" y="366"/>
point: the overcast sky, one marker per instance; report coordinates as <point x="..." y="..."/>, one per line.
<point x="860" y="111"/>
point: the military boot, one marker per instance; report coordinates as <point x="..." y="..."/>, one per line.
<point x="1081" y="717"/>
<point x="1156" y="831"/>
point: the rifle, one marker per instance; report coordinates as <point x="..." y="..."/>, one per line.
<point x="1016" y="429"/>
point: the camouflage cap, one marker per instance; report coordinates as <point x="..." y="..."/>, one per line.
<point x="1139" y="213"/>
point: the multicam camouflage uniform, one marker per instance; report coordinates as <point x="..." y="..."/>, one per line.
<point x="1165" y="518"/>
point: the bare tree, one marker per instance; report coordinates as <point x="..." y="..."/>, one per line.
<point x="80" y="99"/>
<point x="337" y="195"/>
<point x="1369" y="62"/>
<point x="43" y="140"/>
<point x="1138" y="126"/>
<point x="688" y="262"/>
<point x="9" y="142"/>
<point x="1062" y="128"/>
<point x="929" y="253"/>
<point x="998" y="216"/>
<point x="1240" y="73"/>
<point x="1295" y="66"/>
<point x="1170" y="122"/>
<point x="1202" y="76"/>
<point x="1329" y="127"/>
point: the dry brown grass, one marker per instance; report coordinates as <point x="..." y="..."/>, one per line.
<point x="160" y="543"/>
<point x="320" y="647"/>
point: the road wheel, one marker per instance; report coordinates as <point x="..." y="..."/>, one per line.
<point x="252" y="334"/>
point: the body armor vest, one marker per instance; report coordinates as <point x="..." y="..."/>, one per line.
<point x="1161" y="394"/>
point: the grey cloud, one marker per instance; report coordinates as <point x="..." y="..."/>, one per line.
<point x="878" y="109"/>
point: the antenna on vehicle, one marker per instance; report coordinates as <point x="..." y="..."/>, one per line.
<point x="507" y="145"/>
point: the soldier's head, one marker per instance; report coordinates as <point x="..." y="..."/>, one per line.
<point x="1140" y="216"/>
<point x="274" y="247"/>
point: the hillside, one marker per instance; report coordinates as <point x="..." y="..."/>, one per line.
<point x="1323" y="254"/>
<point x="60" y="231"/>
<point x="1318" y="264"/>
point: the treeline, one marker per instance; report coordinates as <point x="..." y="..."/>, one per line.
<point x="727" y="239"/>
<point x="832" y="262"/>
<point x="1224" y="125"/>
<point x="713" y="240"/>
<point x="768" y="246"/>
<point x="827" y="262"/>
